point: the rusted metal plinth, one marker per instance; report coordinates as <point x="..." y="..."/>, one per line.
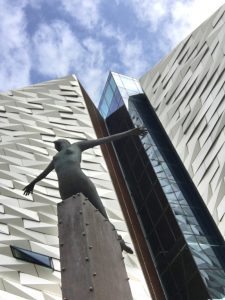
<point x="91" y="259"/>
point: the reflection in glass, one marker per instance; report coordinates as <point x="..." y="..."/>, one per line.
<point x="104" y="109"/>
<point x="178" y="230"/>
<point x="189" y="224"/>
<point x="108" y="95"/>
<point x="32" y="257"/>
<point x="112" y="83"/>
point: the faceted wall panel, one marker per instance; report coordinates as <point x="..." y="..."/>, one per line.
<point x="187" y="92"/>
<point x="30" y="120"/>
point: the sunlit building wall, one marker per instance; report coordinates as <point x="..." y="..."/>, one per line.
<point x="30" y="120"/>
<point x="187" y="92"/>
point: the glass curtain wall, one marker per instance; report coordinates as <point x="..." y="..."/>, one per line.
<point x="183" y="240"/>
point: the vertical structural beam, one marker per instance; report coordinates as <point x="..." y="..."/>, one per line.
<point x="91" y="259"/>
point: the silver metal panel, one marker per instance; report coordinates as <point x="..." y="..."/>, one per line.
<point x="190" y="103"/>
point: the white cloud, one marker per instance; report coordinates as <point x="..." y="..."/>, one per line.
<point x="151" y="11"/>
<point x="187" y="16"/>
<point x="59" y="52"/>
<point x="94" y="51"/>
<point x="15" y="60"/>
<point x="86" y="12"/>
<point x="132" y="56"/>
<point x="173" y="19"/>
<point x="129" y="52"/>
<point x="94" y="71"/>
<point x="56" y="49"/>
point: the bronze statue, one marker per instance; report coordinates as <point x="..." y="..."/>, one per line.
<point x="67" y="166"/>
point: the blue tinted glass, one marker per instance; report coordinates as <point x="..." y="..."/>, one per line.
<point x="108" y="95"/>
<point x="32" y="257"/>
<point x="39" y="257"/>
<point x="112" y="83"/>
<point x="104" y="108"/>
<point x="117" y="96"/>
<point x="114" y="106"/>
<point x="120" y="101"/>
<point x="118" y="88"/>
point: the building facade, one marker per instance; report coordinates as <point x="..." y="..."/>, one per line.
<point x="178" y="168"/>
<point x="183" y="240"/>
<point x="163" y="181"/>
<point x="30" y="120"/>
<point x="187" y="92"/>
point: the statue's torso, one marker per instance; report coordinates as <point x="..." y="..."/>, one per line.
<point x="70" y="176"/>
<point x="67" y="159"/>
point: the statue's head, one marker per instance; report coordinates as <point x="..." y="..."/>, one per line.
<point x="61" y="144"/>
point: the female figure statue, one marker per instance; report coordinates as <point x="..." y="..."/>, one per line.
<point x="71" y="178"/>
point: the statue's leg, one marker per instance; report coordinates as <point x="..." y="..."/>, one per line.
<point x="91" y="193"/>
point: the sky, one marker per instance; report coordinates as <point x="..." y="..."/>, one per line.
<point x="46" y="39"/>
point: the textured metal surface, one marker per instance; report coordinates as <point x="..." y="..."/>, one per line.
<point x="91" y="259"/>
<point x="187" y="92"/>
<point x="32" y="118"/>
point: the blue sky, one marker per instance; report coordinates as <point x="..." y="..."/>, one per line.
<point x="46" y="39"/>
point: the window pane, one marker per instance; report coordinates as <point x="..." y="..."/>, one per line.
<point x="108" y="95"/>
<point x="32" y="257"/>
<point x="112" y="84"/>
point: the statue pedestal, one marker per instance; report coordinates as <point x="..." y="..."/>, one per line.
<point x="92" y="267"/>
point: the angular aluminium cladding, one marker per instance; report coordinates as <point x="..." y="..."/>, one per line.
<point x="30" y="120"/>
<point x="187" y="91"/>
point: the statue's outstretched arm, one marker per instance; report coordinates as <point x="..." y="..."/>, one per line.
<point x="29" y="188"/>
<point x="92" y="143"/>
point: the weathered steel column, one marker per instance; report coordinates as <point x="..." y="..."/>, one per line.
<point x="91" y="259"/>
